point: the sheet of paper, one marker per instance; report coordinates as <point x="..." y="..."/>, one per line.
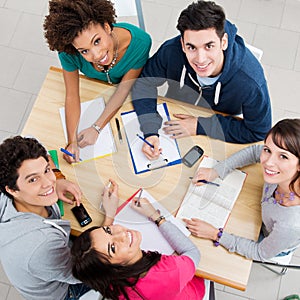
<point x="152" y="239"/>
<point x="211" y="203"/>
<point x="140" y="162"/>
<point x="90" y="112"/>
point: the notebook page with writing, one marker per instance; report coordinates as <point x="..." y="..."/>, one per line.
<point x="90" y="112"/>
<point x="170" y="155"/>
<point x="211" y="203"/>
<point x="152" y="239"/>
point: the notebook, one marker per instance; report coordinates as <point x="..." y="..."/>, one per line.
<point x="90" y="112"/>
<point x="212" y="203"/>
<point x="141" y="164"/>
<point x="152" y="239"/>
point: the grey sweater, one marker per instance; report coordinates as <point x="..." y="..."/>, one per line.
<point x="34" y="252"/>
<point x="281" y="224"/>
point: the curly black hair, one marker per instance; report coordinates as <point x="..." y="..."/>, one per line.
<point x="13" y="151"/>
<point x="68" y="18"/>
<point x="202" y="15"/>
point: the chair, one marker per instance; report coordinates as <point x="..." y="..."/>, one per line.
<point x="91" y="295"/>
<point x="130" y="8"/>
<point x="258" y="53"/>
<point x="282" y="262"/>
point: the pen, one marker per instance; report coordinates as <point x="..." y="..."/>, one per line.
<point x="119" y="130"/>
<point x="206" y="182"/>
<point x="145" y="141"/>
<point x="137" y="203"/>
<point x="68" y="153"/>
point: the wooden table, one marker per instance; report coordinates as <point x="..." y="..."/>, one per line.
<point x="167" y="185"/>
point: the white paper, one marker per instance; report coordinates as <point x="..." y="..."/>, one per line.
<point x="211" y="203"/>
<point x="152" y="239"/>
<point x="169" y="146"/>
<point x="90" y="112"/>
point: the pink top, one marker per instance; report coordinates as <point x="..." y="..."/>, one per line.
<point x="171" y="278"/>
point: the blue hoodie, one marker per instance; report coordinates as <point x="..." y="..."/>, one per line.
<point x="240" y="89"/>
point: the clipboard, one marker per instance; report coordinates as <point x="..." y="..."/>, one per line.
<point x="171" y="154"/>
<point x="152" y="238"/>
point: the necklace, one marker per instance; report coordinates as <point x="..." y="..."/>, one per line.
<point x="280" y="197"/>
<point x="277" y="196"/>
<point x="106" y="69"/>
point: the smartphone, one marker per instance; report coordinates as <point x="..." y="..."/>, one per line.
<point x="192" y="156"/>
<point x="81" y="215"/>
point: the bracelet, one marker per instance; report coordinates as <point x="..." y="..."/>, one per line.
<point x="217" y="241"/>
<point x="159" y="219"/>
<point x="97" y="128"/>
<point x="58" y="174"/>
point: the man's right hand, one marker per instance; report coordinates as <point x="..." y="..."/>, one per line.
<point x="152" y="153"/>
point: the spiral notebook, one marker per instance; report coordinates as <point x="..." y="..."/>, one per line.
<point x="141" y="164"/>
<point x="90" y="112"/>
<point x="212" y="203"/>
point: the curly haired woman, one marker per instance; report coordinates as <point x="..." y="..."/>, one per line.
<point x="88" y="40"/>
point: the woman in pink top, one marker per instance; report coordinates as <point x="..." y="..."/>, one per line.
<point x="110" y="260"/>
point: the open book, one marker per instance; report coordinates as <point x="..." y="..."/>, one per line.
<point x="212" y="203"/>
<point x="152" y="239"/>
<point x="141" y="164"/>
<point x="90" y="112"/>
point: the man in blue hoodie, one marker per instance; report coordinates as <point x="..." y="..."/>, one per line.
<point x="207" y="65"/>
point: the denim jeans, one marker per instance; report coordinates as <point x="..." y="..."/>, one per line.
<point x="75" y="291"/>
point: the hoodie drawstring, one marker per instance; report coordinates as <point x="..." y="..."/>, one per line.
<point x="56" y="226"/>
<point x="217" y="91"/>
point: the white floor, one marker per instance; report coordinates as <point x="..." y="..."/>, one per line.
<point x="272" y="25"/>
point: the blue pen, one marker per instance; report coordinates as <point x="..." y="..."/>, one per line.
<point x="206" y="182"/>
<point x="68" y="153"/>
<point x="145" y="141"/>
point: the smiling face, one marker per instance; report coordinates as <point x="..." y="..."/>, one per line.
<point x="96" y="44"/>
<point x="36" y="183"/>
<point x="279" y="165"/>
<point x="121" y="245"/>
<point x="204" y="51"/>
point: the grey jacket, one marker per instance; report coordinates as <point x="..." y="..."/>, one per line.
<point x="280" y="224"/>
<point x="34" y="252"/>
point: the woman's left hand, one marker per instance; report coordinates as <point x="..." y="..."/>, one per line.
<point x="144" y="207"/>
<point x="110" y="199"/>
<point x="87" y="137"/>
<point x="201" y="229"/>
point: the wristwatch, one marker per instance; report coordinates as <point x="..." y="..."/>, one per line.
<point x="97" y="128"/>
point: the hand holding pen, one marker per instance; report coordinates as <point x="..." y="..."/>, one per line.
<point x="205" y="176"/>
<point x="151" y="146"/>
<point x="110" y="198"/>
<point x="71" y="153"/>
<point x="145" y="208"/>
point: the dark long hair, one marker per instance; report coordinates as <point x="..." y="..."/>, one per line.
<point x="94" y="269"/>
<point x="286" y="135"/>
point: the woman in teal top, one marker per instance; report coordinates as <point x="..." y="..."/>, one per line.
<point x="87" y="38"/>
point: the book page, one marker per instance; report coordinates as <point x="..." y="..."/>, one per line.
<point x="211" y="203"/>
<point x="170" y="155"/>
<point x="90" y="112"/>
<point x="152" y="239"/>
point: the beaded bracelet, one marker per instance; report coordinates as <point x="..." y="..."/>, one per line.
<point x="58" y="174"/>
<point x="220" y="233"/>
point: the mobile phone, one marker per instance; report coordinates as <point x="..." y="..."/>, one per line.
<point x="191" y="157"/>
<point x="81" y="215"/>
